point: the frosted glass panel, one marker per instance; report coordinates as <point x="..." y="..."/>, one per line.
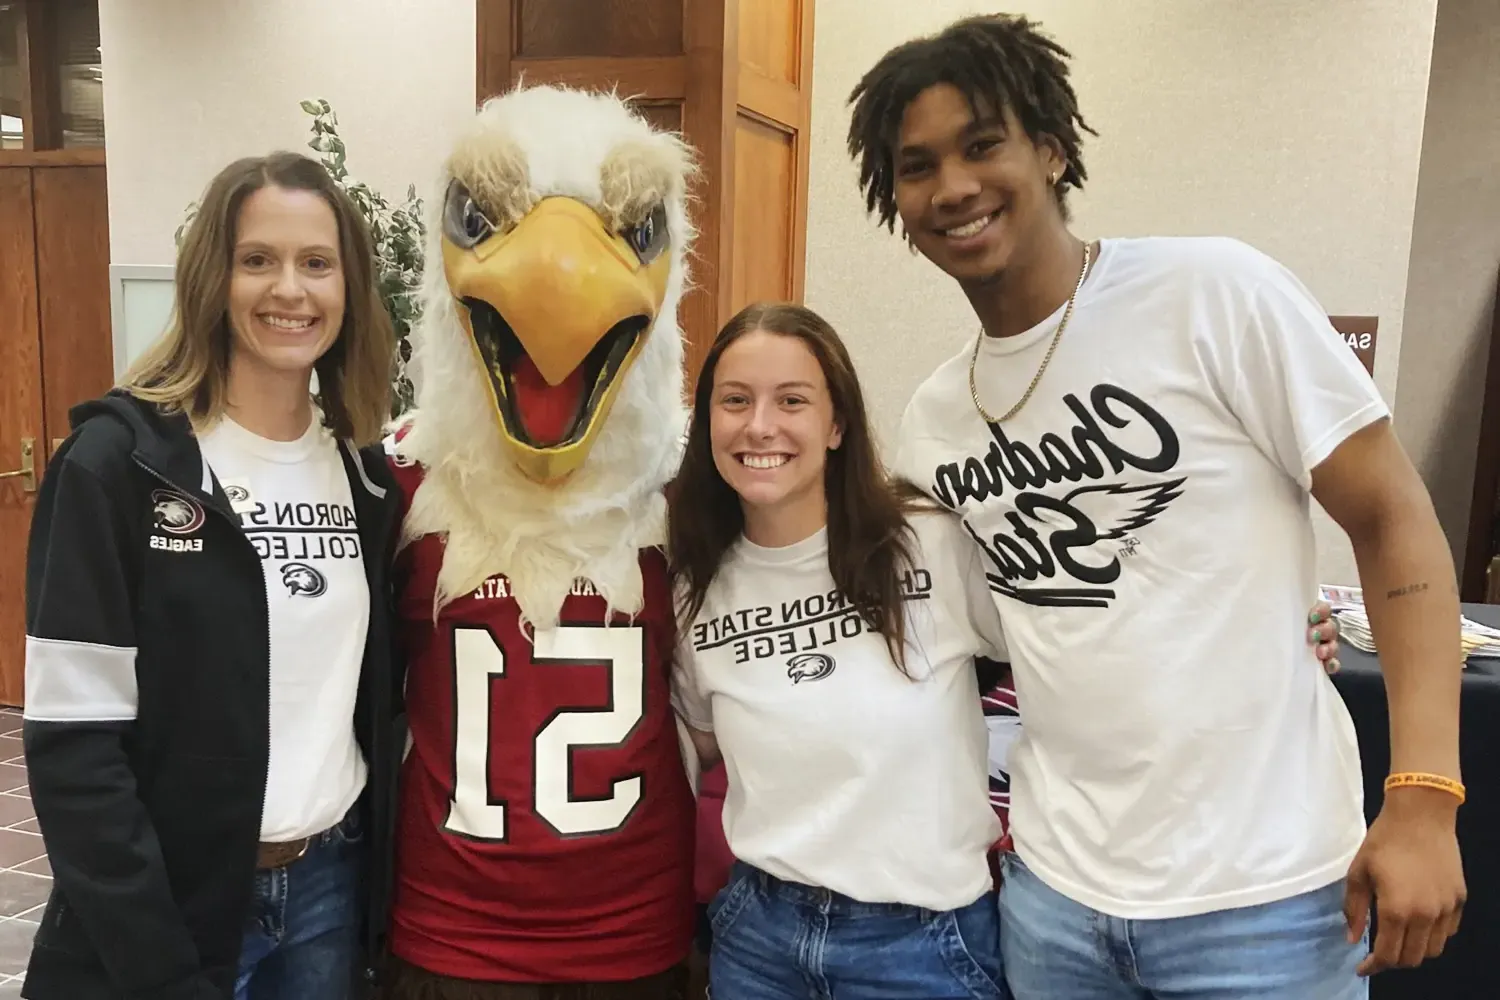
<point x="141" y="301"/>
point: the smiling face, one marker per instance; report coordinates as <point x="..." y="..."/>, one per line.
<point x="772" y="424"/>
<point x="972" y="193"/>
<point x="286" y="285"/>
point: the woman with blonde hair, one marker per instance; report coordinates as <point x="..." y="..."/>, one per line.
<point x="209" y="683"/>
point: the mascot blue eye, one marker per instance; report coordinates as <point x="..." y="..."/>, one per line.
<point x="475" y="223"/>
<point x="649" y="238"/>
<point x="640" y="237"/>
<point x="464" y="224"/>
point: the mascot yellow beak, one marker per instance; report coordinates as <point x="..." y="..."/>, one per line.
<point x="557" y="309"/>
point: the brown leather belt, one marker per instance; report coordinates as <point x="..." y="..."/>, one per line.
<point x="280" y="855"/>
<point x="271" y="856"/>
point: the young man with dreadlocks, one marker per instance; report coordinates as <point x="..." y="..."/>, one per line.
<point x="1133" y="441"/>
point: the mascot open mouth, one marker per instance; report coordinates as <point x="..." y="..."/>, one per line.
<point x="557" y="306"/>
<point x="536" y="412"/>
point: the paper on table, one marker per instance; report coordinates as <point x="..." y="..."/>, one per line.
<point x="1348" y="605"/>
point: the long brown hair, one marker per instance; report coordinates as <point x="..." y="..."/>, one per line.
<point x="869" y="540"/>
<point x="187" y="369"/>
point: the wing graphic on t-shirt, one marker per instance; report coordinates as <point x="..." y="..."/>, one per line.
<point x="1116" y="509"/>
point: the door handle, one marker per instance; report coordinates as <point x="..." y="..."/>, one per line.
<point x="27" y="472"/>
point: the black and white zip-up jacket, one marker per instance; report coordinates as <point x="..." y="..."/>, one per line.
<point x="147" y="708"/>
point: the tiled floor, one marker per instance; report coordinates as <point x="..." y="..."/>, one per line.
<point x="25" y="878"/>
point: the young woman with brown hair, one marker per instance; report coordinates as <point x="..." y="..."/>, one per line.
<point x="829" y="633"/>
<point x="830" y="622"/>
<point x="209" y="685"/>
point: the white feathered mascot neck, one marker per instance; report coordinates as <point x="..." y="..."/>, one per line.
<point x="549" y="413"/>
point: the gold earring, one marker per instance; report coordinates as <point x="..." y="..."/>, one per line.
<point x="1052" y="178"/>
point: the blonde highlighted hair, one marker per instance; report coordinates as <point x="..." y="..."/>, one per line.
<point x="187" y="369"/>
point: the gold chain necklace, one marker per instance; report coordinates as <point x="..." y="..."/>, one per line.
<point x="974" y="359"/>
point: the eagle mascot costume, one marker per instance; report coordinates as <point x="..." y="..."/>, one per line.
<point x="546" y="817"/>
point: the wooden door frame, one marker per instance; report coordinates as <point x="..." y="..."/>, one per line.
<point x="52" y="158"/>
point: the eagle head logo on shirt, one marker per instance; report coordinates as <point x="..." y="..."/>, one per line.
<point x="301" y="580"/>
<point x="809" y="667"/>
<point x="175" y="513"/>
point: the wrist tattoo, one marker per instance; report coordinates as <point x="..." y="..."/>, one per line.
<point x="1410" y="588"/>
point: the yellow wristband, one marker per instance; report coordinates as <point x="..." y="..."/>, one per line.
<point x="1407" y="779"/>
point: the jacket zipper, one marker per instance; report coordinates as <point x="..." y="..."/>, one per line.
<point x="265" y="601"/>
<point x="371" y="973"/>
<point x="380" y="729"/>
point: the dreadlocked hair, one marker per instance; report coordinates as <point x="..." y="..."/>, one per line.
<point x="997" y="61"/>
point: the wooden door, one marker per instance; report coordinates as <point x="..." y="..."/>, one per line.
<point x="55" y="351"/>
<point x="772" y="118"/>
<point x="72" y="264"/>
<point x="734" y="76"/>
<point x="21" y="410"/>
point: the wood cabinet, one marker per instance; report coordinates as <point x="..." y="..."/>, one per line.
<point x="734" y="77"/>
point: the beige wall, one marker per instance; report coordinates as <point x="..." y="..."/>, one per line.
<point x="191" y="85"/>
<point x="1296" y="126"/>
<point x="1455" y="257"/>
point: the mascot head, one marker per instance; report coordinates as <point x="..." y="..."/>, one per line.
<point x="561" y="225"/>
<point x="549" y="359"/>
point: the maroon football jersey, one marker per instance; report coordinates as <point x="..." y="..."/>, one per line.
<point x="546" y="826"/>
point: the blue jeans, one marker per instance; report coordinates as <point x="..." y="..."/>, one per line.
<point x="774" y="940"/>
<point x="302" y="932"/>
<point x="1293" y="949"/>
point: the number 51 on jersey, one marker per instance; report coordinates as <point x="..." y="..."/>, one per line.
<point x="477" y="661"/>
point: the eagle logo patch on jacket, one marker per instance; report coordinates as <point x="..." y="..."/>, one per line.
<point x="175" y="513"/>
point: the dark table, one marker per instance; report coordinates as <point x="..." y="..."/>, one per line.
<point x="1469" y="969"/>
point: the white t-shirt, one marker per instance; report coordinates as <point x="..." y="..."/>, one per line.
<point x="294" y="503"/>
<point x="1146" y="517"/>
<point x="844" y="773"/>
